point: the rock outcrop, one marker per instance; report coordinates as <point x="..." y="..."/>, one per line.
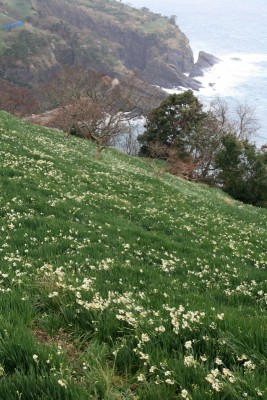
<point x="205" y="60"/>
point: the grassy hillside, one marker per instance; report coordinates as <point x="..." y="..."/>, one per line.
<point x="116" y="284"/>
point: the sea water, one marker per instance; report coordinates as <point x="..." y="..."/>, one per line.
<point x="234" y="31"/>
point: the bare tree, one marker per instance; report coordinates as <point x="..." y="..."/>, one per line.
<point x="129" y="142"/>
<point x="95" y="106"/>
<point x="240" y="120"/>
<point x="245" y="124"/>
<point x="17" y="100"/>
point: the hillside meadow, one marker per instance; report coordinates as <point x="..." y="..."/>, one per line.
<point x="120" y="283"/>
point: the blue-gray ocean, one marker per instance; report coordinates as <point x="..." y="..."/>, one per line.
<point x="234" y="31"/>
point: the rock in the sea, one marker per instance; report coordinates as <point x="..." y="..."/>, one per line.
<point x="205" y="60"/>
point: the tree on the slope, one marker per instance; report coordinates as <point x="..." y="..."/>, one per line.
<point x="242" y="170"/>
<point x="175" y="124"/>
<point x="95" y="106"/>
<point x="180" y="132"/>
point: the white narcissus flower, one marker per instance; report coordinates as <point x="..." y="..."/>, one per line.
<point x="62" y="383"/>
<point x="218" y="361"/>
<point x="141" y="378"/>
<point x="188" y="345"/>
<point x="184" y="394"/>
<point x="169" y="381"/>
<point x="145" y="337"/>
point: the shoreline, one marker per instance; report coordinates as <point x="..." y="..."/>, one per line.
<point x="232" y="79"/>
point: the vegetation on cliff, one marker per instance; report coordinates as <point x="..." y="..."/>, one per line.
<point x="106" y="36"/>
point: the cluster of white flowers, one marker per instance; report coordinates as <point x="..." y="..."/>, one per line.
<point x="190" y="361"/>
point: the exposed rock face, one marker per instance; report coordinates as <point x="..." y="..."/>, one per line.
<point x="167" y="75"/>
<point x="205" y="60"/>
<point x="62" y="33"/>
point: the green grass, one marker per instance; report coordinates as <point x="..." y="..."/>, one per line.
<point x="116" y="284"/>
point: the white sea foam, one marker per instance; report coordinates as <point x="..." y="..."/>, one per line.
<point x="235" y="78"/>
<point x="227" y="77"/>
<point x="227" y="29"/>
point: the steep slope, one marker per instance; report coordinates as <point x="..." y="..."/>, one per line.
<point x="116" y="284"/>
<point x="107" y="36"/>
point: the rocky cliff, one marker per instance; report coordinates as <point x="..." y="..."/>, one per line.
<point x="106" y="36"/>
